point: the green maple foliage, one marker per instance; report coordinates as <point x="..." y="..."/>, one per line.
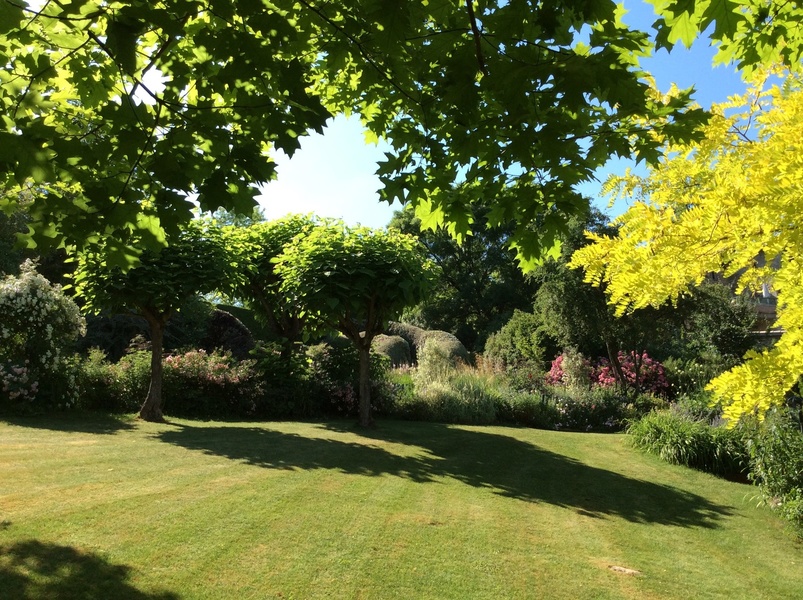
<point x="138" y="104"/>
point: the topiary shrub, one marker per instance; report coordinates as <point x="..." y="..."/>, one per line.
<point x="394" y="347"/>
<point x="417" y="337"/>
<point x="412" y="334"/>
<point x="226" y="333"/>
<point x="453" y="348"/>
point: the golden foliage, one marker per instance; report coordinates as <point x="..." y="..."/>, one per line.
<point x="717" y="206"/>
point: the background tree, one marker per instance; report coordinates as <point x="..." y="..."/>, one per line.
<point x="715" y="206"/>
<point x="461" y="91"/>
<point x="355" y="280"/>
<point x="480" y="283"/>
<point x="576" y="314"/>
<point x="259" y="284"/>
<point x="710" y="325"/>
<point x="196" y="261"/>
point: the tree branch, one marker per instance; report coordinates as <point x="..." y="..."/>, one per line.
<point x="477" y="37"/>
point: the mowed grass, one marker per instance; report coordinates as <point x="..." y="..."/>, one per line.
<point x="98" y="507"/>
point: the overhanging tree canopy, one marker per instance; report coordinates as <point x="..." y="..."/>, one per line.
<point x="523" y="96"/>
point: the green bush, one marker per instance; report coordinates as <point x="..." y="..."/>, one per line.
<point x="195" y="384"/>
<point x="689" y="377"/>
<point x="417" y="338"/>
<point x="211" y="386"/>
<point x="520" y="343"/>
<point x="449" y="344"/>
<point x="699" y="406"/>
<point x="465" y="397"/>
<point x="289" y="391"/>
<point x="335" y="373"/>
<point x="412" y="334"/>
<point x="776" y="463"/>
<point x="588" y="409"/>
<point x="681" y="440"/>
<point x="528" y="410"/>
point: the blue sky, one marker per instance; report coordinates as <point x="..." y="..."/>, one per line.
<point x="333" y="174"/>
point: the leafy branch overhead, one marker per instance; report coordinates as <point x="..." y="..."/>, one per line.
<point x="137" y="105"/>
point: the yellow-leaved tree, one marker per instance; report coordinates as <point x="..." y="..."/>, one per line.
<point x="715" y="207"/>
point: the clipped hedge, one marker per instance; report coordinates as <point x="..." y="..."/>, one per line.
<point x="395" y="347"/>
<point x="417" y="337"/>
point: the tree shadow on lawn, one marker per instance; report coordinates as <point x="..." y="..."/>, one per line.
<point x="73" y="422"/>
<point x="31" y="569"/>
<point x="499" y="463"/>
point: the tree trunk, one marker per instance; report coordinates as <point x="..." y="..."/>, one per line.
<point x="365" y="384"/>
<point x="613" y="356"/>
<point x="152" y="407"/>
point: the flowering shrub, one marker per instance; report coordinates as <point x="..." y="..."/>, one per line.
<point x="570" y="368"/>
<point x="15" y="382"/>
<point x="196" y="384"/>
<point x="641" y="372"/>
<point x="39" y="323"/>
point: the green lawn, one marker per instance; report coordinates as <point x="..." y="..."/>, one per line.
<point x="96" y="507"/>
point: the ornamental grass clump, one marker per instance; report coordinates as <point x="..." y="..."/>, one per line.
<point x="39" y="325"/>
<point x="680" y="440"/>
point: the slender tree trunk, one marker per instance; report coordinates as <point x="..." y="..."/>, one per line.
<point x="613" y="356"/>
<point x="152" y="407"/>
<point x="365" y="383"/>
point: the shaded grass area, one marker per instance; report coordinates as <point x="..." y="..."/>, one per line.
<point x="106" y="507"/>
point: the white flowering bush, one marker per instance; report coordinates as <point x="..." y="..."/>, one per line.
<point x="37" y="325"/>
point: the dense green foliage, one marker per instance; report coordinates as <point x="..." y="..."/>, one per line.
<point x="776" y="463"/>
<point x="480" y="286"/>
<point x="195" y="262"/>
<point x="395" y="347"/>
<point x="681" y="440"/>
<point x="354" y="280"/>
<point x="529" y="107"/>
<point x="255" y="248"/>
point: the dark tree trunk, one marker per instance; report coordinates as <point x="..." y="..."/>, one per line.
<point x="152" y="407"/>
<point x="613" y="356"/>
